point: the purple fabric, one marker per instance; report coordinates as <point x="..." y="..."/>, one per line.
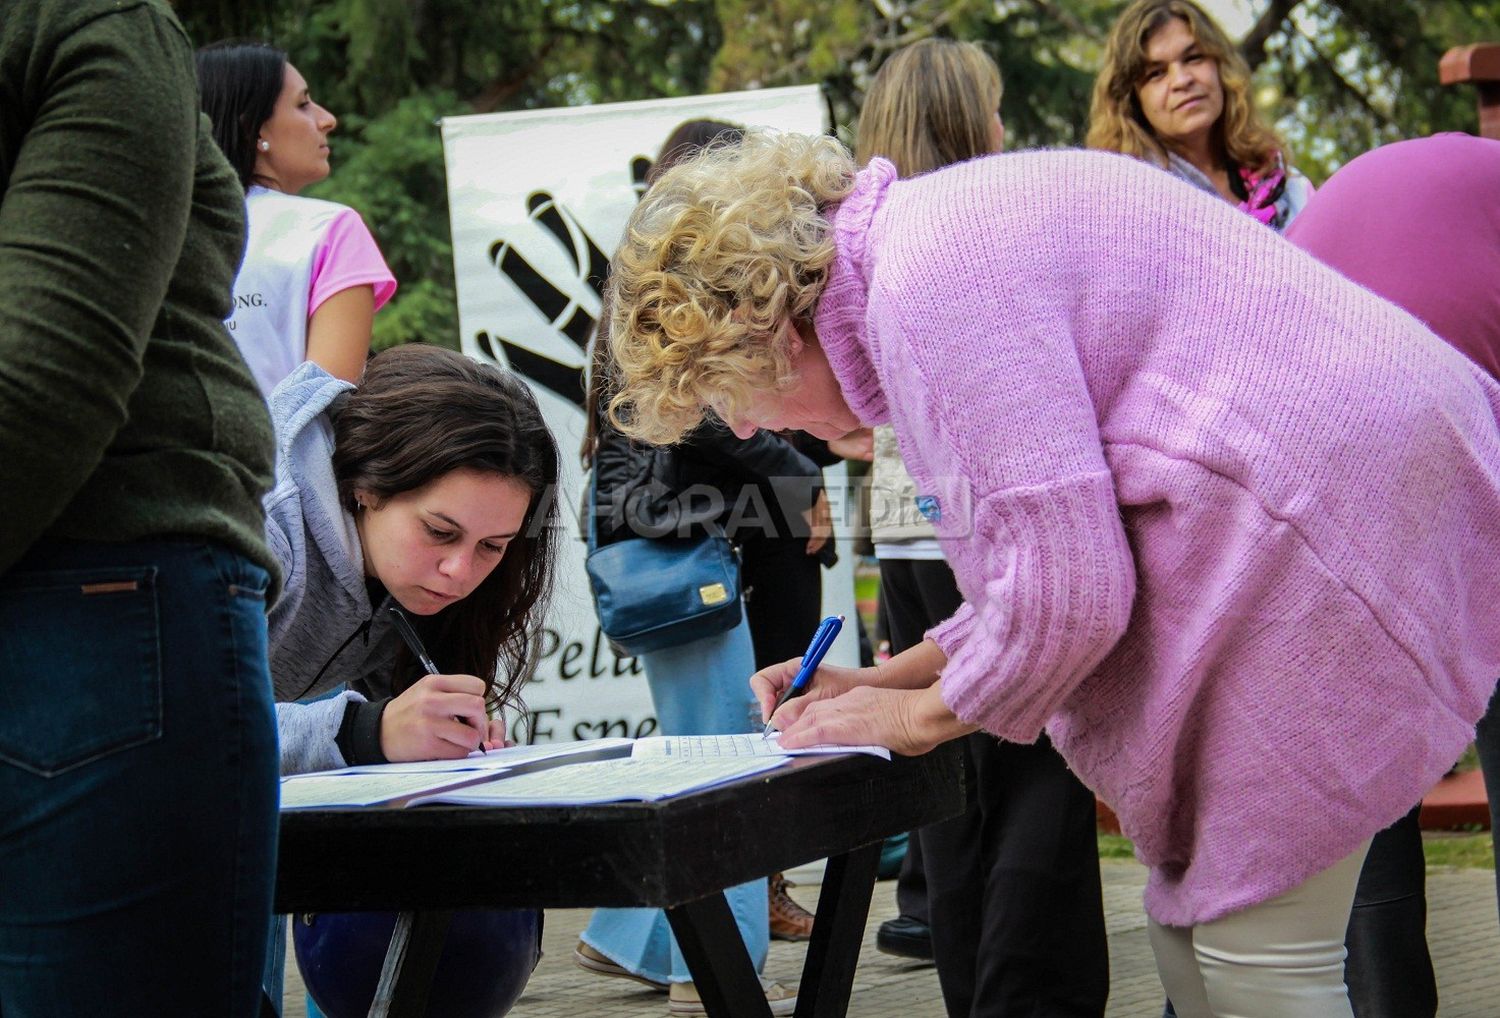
<point x="1418" y="222"/>
<point x="1214" y="509"/>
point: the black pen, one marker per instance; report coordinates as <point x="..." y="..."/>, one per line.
<point x="413" y="641"/>
<point x="414" y="644"/>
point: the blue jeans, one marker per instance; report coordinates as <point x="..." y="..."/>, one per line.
<point x="138" y="774"/>
<point x="702" y="688"/>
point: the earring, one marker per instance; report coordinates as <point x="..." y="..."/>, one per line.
<point x="265" y="146"/>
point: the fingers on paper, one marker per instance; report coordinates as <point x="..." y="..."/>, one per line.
<point x="768" y="684"/>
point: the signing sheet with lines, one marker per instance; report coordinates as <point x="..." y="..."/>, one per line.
<point x="697" y="747"/>
<point x="577" y="773"/>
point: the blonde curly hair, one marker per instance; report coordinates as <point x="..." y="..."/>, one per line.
<point x="1116" y="121"/>
<point x="722" y="250"/>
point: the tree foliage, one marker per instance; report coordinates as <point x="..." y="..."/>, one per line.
<point x="1337" y="76"/>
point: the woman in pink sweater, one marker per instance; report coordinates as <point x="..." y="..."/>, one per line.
<point x="1224" y="522"/>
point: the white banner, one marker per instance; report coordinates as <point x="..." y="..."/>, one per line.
<point x="538" y="200"/>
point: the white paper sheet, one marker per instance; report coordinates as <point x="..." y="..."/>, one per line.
<point x="500" y="759"/>
<point x="695" y="747"/>
<point x="606" y="781"/>
<point x="342" y="788"/>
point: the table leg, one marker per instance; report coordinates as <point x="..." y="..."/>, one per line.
<point x="716" y="956"/>
<point x="410" y="962"/>
<point x="838" y="931"/>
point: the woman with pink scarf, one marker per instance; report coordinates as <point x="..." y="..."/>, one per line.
<point x="1175" y="92"/>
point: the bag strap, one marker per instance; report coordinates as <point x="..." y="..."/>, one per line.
<point x="592" y="509"/>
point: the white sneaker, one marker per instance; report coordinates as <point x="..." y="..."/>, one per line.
<point x="683" y="999"/>
<point x="596" y="961"/>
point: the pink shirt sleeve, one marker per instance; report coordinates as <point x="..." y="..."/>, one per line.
<point x="347" y="257"/>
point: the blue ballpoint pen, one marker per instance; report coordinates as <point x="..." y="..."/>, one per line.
<point x="822" y="639"/>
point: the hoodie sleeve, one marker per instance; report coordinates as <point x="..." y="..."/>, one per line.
<point x="309" y="732"/>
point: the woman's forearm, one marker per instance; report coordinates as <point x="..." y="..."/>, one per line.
<point x="914" y="668"/>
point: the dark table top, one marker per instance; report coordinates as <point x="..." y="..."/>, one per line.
<point x="659" y="854"/>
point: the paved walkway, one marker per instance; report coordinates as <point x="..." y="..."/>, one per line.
<point x="1462" y="932"/>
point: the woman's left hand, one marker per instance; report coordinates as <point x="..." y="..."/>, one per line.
<point x="496" y="738"/>
<point x="819" y="522"/>
<point x="859" y="444"/>
<point x="905" y="721"/>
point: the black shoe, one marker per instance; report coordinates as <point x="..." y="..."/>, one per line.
<point x="905" y="937"/>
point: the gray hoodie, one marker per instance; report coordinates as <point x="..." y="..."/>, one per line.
<point x="324" y="632"/>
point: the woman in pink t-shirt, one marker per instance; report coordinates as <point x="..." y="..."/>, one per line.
<point x="313" y="276"/>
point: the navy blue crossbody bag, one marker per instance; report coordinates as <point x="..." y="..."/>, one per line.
<point x="655" y="593"/>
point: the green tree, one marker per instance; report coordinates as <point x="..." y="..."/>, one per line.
<point x="1337" y="76"/>
<point x="1344" y="76"/>
<point x="391" y="69"/>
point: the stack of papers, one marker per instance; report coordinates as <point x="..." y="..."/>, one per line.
<point x="700" y="746"/>
<point x="627" y="780"/>
<point x="344" y="788"/>
<point x="557" y="774"/>
<point x="505" y="759"/>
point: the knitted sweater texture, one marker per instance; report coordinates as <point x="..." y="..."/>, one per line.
<point x="1226" y="524"/>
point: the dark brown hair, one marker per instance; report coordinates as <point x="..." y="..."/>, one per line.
<point x="419" y="413"/>
<point x="1118" y="124"/>
<point x="239" y="81"/>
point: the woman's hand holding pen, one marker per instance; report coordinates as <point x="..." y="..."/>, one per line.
<point x="897" y="704"/>
<point x="905" y="721"/>
<point x="440" y="717"/>
<point x="829" y="680"/>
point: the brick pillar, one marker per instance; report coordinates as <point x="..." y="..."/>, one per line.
<point x="1478" y="65"/>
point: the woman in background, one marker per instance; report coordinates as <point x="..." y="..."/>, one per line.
<point x="313" y="277"/>
<point x="1175" y="92"/>
<point x="698" y="688"/>
<point x="1017" y="911"/>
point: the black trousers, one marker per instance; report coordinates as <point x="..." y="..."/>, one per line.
<point x="1388" y="969"/>
<point x="785" y="596"/>
<point x="1013" y="889"/>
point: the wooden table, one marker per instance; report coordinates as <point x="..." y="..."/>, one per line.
<point x="678" y="855"/>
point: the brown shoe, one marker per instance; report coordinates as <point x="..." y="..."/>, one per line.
<point x="789" y="920"/>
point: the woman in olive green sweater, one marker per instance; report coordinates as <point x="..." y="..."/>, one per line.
<point x="137" y="742"/>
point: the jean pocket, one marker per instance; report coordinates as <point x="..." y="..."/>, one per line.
<point x="80" y="665"/>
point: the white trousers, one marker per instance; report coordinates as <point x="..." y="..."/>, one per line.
<point x="1283" y="958"/>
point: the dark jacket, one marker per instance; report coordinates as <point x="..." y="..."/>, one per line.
<point x="751" y="489"/>
<point x="126" y="412"/>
